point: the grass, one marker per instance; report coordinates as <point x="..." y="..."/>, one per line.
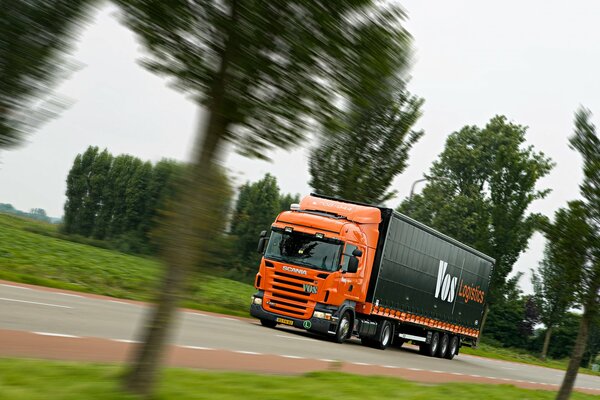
<point x="51" y="380"/>
<point x="36" y="258"/>
<point x="517" y="355"/>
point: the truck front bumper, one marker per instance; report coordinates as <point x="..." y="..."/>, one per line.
<point x="313" y="324"/>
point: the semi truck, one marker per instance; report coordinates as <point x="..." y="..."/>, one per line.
<point x="344" y="269"/>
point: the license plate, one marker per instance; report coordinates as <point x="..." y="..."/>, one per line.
<point x="285" y="321"/>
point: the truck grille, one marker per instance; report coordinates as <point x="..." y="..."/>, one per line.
<point x="285" y="295"/>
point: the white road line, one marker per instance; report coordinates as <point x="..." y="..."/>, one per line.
<point x="438" y="372"/>
<point x="196" y="348"/>
<point x="327" y="360"/>
<point x="126" y="341"/>
<point x="117" y="301"/>
<point x="294" y="357"/>
<point x="414" y="369"/>
<point x="33" y="302"/>
<point x="15" y="287"/>
<point x="295" y="338"/>
<point x="252" y="353"/>
<point x="362" y="363"/>
<point x="228" y="319"/>
<point x="56" y="334"/>
<point x="390" y="366"/>
<point x="456" y="373"/>
<point x="69" y="294"/>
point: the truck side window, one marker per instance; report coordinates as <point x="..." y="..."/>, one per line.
<point x="346" y="255"/>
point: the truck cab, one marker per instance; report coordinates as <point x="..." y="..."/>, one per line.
<point x="316" y="266"/>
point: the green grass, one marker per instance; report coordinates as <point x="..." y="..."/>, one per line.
<point x="517" y="355"/>
<point x="29" y="257"/>
<point x="50" y="380"/>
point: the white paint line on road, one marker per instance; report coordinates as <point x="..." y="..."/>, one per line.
<point x="295" y="338"/>
<point x="196" y="347"/>
<point x="69" y="294"/>
<point x="476" y="376"/>
<point x="14" y="286"/>
<point x="117" y="302"/>
<point x="294" y="357"/>
<point x="252" y="353"/>
<point x="508" y="368"/>
<point x="34" y="302"/>
<point x="414" y="369"/>
<point x="390" y="366"/>
<point x="126" y="341"/>
<point x="362" y="363"/>
<point x="456" y="373"/>
<point x="56" y="334"/>
<point x="438" y="372"/>
<point x="327" y="360"/>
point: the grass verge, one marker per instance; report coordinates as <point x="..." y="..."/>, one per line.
<point x="39" y="259"/>
<point x="50" y="380"/>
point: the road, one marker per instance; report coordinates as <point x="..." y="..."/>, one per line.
<point x="45" y="318"/>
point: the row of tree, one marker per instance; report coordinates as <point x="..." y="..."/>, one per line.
<point x="117" y="198"/>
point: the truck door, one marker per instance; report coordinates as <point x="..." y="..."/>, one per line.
<point x="350" y="283"/>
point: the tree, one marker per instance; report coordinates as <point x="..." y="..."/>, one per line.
<point x="264" y="71"/>
<point x="580" y="241"/>
<point x="36" y="37"/>
<point x="479" y="190"/>
<point x="553" y="291"/>
<point x="359" y="162"/>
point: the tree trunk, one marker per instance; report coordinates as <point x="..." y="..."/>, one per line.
<point x="188" y="231"/>
<point x="546" y="343"/>
<point x="486" y="311"/>
<point x="569" y="380"/>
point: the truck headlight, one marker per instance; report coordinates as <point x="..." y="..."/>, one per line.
<point x="257" y="301"/>
<point x="322" y="315"/>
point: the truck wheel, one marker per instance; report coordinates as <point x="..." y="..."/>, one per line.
<point x="344" y="328"/>
<point x="386" y="334"/>
<point x="268" y="323"/>
<point x="452" y="348"/>
<point x="429" y="349"/>
<point x="443" y="346"/>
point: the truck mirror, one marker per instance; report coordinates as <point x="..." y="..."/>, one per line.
<point x="263" y="234"/>
<point x="353" y="264"/>
<point x="357" y="252"/>
<point x="261" y="245"/>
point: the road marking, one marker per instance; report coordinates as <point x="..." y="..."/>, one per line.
<point x="15" y="287"/>
<point x="456" y="373"/>
<point x="117" y="301"/>
<point x="295" y="338"/>
<point x="56" y="334"/>
<point x="390" y="366"/>
<point x="126" y="341"/>
<point x="327" y="360"/>
<point x="362" y="363"/>
<point x="438" y="372"/>
<point x="295" y="357"/>
<point x="228" y="319"/>
<point x="70" y="295"/>
<point x="196" y="347"/>
<point x="34" y="302"/>
<point x="252" y="353"/>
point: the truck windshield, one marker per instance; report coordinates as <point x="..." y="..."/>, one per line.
<point x="306" y="250"/>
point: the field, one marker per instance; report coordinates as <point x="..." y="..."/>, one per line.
<point x="51" y="380"/>
<point x="40" y="259"/>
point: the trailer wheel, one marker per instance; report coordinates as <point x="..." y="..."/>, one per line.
<point x="386" y="334"/>
<point x="430" y="348"/>
<point x="452" y="348"/>
<point x="344" y="328"/>
<point x="443" y="346"/>
<point x="268" y="323"/>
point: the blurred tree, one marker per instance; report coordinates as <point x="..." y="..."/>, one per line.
<point x="76" y="190"/>
<point x="579" y="244"/>
<point x="265" y="72"/>
<point x="479" y="191"/>
<point x="360" y="161"/>
<point x="553" y="281"/>
<point x="35" y="37"/>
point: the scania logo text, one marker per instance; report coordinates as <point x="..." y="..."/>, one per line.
<point x="294" y="270"/>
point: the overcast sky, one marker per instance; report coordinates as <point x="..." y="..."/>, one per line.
<point x="533" y="61"/>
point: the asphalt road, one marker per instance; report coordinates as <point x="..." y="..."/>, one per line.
<point x="57" y="313"/>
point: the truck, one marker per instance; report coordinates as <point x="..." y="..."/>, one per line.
<point x="343" y="269"/>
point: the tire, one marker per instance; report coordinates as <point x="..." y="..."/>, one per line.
<point x="452" y="348"/>
<point x="268" y="323"/>
<point x="443" y="346"/>
<point x="429" y="349"/>
<point x="385" y="336"/>
<point x="344" y="328"/>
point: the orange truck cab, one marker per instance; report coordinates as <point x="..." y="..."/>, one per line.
<point x="342" y="268"/>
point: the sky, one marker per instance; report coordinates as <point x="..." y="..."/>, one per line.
<point x="535" y="62"/>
